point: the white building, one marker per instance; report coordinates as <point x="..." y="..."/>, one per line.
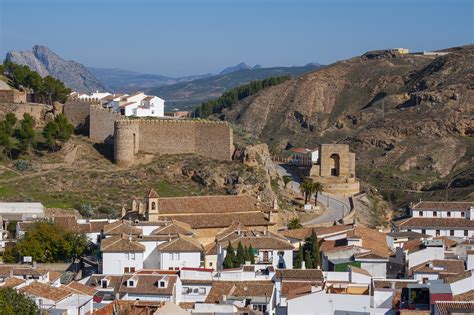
<point x="304" y="156"/>
<point x="183" y="251"/>
<point x="121" y="254"/>
<point x="139" y="105"/>
<point x="455" y="219"/>
<point x="21" y="211"/>
<point x="95" y="95"/>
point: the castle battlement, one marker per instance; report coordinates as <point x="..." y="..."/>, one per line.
<point x="127" y="120"/>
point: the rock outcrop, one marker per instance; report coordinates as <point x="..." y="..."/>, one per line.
<point x="44" y="61"/>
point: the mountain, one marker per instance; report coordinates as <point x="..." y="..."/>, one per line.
<point x="185" y="95"/>
<point x="240" y="66"/>
<point x="129" y="81"/>
<point x="408" y="118"/>
<point x="44" y="61"/>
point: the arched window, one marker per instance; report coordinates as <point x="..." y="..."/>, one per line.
<point x="334" y="165"/>
<point x="153" y="205"/>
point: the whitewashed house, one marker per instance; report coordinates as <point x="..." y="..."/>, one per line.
<point x="304" y="156"/>
<point x="454" y="219"/>
<point x="182" y="251"/>
<point x="422" y="251"/>
<point x="121" y="254"/>
<point x="139" y="104"/>
<point x="437" y="269"/>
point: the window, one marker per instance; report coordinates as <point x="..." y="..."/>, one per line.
<point x="104" y="284"/>
<point x="195" y="290"/>
<point x="132" y="269"/>
<point x="435" y="214"/>
<point x="186" y="290"/>
<point x="131" y="283"/>
<point x="170" y="268"/>
<point x="449" y="214"/>
<point x="466" y="233"/>
<point x="420" y="213"/>
<point x="131" y="256"/>
<point x="162" y="284"/>
<point x="451" y="232"/>
<point x="202" y="291"/>
<point x="153" y="206"/>
<point x="210" y="264"/>
<point x="463" y="214"/>
<point x="437" y="233"/>
<point x="409" y="230"/>
<point x="423" y="231"/>
<point x="126" y="270"/>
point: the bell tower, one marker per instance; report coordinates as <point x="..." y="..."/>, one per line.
<point x="152" y="205"/>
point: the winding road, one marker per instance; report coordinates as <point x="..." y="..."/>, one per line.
<point x="336" y="207"/>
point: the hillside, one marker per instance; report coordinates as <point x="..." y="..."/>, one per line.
<point x="44" y="61"/>
<point x="409" y="118"/>
<point x="186" y="95"/>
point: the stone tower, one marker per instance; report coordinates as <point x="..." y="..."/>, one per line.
<point x="152" y="205"/>
<point x="126" y="141"/>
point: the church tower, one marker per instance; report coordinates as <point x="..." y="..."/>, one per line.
<point x="152" y="205"/>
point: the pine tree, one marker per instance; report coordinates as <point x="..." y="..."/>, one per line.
<point x="229" y="257"/>
<point x="250" y="254"/>
<point x="240" y="258"/>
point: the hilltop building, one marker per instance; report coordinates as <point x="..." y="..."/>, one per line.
<point x="11" y="95"/>
<point x="139" y="105"/>
<point x="335" y="169"/>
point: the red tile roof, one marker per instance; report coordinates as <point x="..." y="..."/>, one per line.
<point x="443" y="205"/>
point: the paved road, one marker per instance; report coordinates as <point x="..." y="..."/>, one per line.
<point x="336" y="207"/>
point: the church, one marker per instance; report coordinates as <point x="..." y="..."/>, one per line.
<point x="206" y="215"/>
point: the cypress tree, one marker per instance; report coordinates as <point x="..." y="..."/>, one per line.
<point x="308" y="260"/>
<point x="315" y="256"/>
<point x="240" y="258"/>
<point x="299" y="258"/>
<point x="250" y="254"/>
<point x="229" y="257"/>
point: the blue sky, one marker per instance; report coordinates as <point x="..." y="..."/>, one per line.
<point x="179" y="37"/>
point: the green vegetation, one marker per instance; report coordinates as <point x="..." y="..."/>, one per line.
<point x="57" y="130"/>
<point x="12" y="303"/>
<point x="234" y="95"/>
<point x="235" y="259"/>
<point x="308" y="188"/>
<point x="294" y="223"/>
<point x="47" y="242"/>
<point x="47" y="89"/>
<point x="309" y="253"/>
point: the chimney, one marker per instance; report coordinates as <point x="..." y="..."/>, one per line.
<point x="34" y="264"/>
<point x="124" y="211"/>
<point x="134" y="205"/>
<point x="11" y="273"/>
<point x="303" y="264"/>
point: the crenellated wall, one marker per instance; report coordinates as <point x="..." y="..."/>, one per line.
<point x="77" y="112"/>
<point x="102" y="123"/>
<point x="171" y="136"/>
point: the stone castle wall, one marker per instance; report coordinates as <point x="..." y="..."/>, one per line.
<point x="77" y="112"/>
<point x="102" y="123"/>
<point x="12" y="96"/>
<point x="171" y="136"/>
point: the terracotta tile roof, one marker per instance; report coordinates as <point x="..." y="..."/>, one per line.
<point x="113" y="281"/>
<point x="46" y="291"/>
<point x="196" y="282"/>
<point x="399" y="284"/>
<point x="457" y="277"/>
<point x="12" y="282"/>
<point x="240" y="289"/>
<point x="181" y="244"/>
<point x="433" y="223"/>
<point x="413" y="244"/>
<point x="174" y="228"/>
<point x="53" y="276"/>
<point x="443" y="206"/>
<point x="449" y="266"/>
<point x="221" y="220"/>
<point x="466" y="296"/>
<point x="229" y="230"/>
<point x="211" y="204"/>
<point x="368" y="255"/>
<point x="299" y="234"/>
<point x="120" y="244"/>
<point x="21" y="271"/>
<point x="152" y="193"/>
<point x="80" y="288"/>
<point x="292" y="288"/>
<point x="409" y="235"/>
<point x="299" y="274"/>
<point x="454" y="307"/>
<point x="121" y="227"/>
<point x="148" y="284"/>
<point x="130" y="307"/>
<point x="360" y="271"/>
<point x="372" y="240"/>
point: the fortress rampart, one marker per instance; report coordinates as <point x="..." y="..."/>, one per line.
<point x="102" y="123"/>
<point x="171" y="136"/>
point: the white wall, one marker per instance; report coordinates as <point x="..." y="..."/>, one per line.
<point x="376" y="269"/>
<point x="442" y="232"/>
<point x="177" y="260"/>
<point x="470" y="262"/>
<point x="424" y="255"/>
<point x="430" y="276"/>
<point x="114" y="263"/>
<point x="463" y="285"/>
<point x="147" y="297"/>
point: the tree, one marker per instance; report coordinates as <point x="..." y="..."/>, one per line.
<point x="317" y="189"/>
<point x="308" y="261"/>
<point x="26" y="133"/>
<point x="251" y="255"/>
<point x="65" y="129"/>
<point x="50" y="131"/>
<point x="50" y="242"/>
<point x="311" y="248"/>
<point x="294" y="223"/>
<point x="287" y="179"/>
<point x="306" y="189"/>
<point x="299" y="258"/>
<point x="12" y="302"/>
<point x="240" y="257"/>
<point x="229" y="257"/>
